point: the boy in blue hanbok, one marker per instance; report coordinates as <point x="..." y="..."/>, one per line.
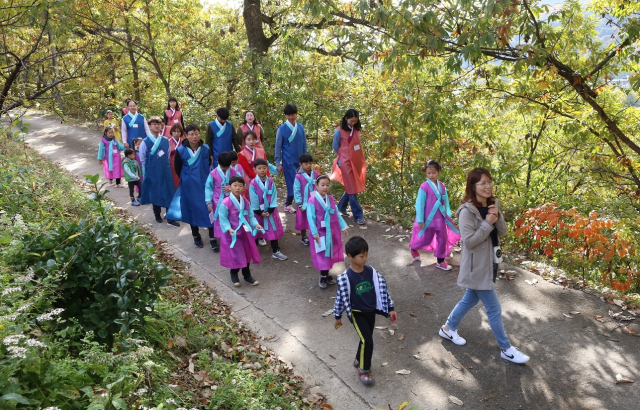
<point x="291" y="142"/>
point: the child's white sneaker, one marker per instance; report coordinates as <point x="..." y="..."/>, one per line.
<point x="452" y="335"/>
<point x="279" y="255"/>
<point x="443" y="265"/>
<point x="514" y="355"/>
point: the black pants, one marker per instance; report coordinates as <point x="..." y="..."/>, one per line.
<point x="440" y="260"/>
<point x="245" y="272"/>
<point x="195" y="231"/>
<point x="324" y="273"/>
<point x="117" y="180"/>
<point x="274" y="246"/>
<point x="364" y="322"/>
<point x="289" y="200"/>
<point x="157" y="209"/>
<point x="133" y="184"/>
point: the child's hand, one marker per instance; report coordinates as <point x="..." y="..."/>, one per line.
<point x="280" y="169"/>
<point x="210" y="209"/>
<point x="226" y="188"/>
<point x="231" y="231"/>
<point x="338" y="323"/>
<point x="100" y="161"/>
<point x="345" y="232"/>
<point x="393" y="315"/>
<point x="259" y="227"/>
<point x="421" y="225"/>
<point x="126" y="145"/>
<point x="317" y="239"/>
<point x="265" y="214"/>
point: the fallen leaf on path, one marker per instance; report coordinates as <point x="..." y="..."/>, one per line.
<point x="628" y="330"/>
<point x="401" y="338"/>
<point x="326" y="406"/>
<point x="392" y="332"/>
<point x="170" y="344"/>
<point x="618" y="302"/>
<point x="180" y="341"/>
<point x="425" y="294"/>
<point x="332" y="356"/>
<point x="620" y="379"/>
<point x="456" y="400"/>
<point x="569" y="316"/>
<point x="381" y="327"/>
<point x="269" y="337"/>
<point x="191" y="366"/>
<point x="307" y="266"/>
<point x="401" y="239"/>
<point x="388" y="229"/>
<point x="403" y="372"/>
<point x="384" y="364"/>
<point x="417" y="357"/>
<point x="412" y="313"/>
<point x="573" y="312"/>
<point x="599" y="318"/>
<point x="454" y="365"/>
<point x="531" y="282"/>
<point x="327" y="313"/>
<point x="404" y="405"/>
<point x="296" y="262"/>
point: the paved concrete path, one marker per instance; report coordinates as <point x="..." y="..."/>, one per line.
<point x="573" y="360"/>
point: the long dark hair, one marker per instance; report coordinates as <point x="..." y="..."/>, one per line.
<point x="470" y="191"/>
<point x="177" y="104"/>
<point x="351" y="113"/>
<point x="255" y="117"/>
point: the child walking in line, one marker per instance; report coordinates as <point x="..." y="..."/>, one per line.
<point x="132" y="174"/>
<point x="362" y="293"/>
<point x="220" y="135"/>
<point x="264" y="203"/>
<point x="303" y="187"/>
<point x="247" y="157"/>
<point x="433" y="229"/>
<point x="291" y="142"/>
<point x="110" y="122"/>
<point x="215" y="190"/>
<point x="176" y="137"/>
<point x="250" y="123"/>
<point x="325" y="224"/>
<point x="172" y="117"/>
<point x="109" y="156"/>
<point x="192" y="166"/>
<point x="136" y="147"/>
<point x="236" y="166"/>
<point x="239" y="227"/>
<point x="157" y="186"/>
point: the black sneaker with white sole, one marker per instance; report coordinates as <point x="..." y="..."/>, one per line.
<point x="173" y="223"/>
<point x="322" y="282"/>
<point x="159" y="219"/>
<point x="197" y="241"/>
<point x="214" y="245"/>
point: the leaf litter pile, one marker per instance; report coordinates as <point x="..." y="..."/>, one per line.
<point x="215" y="358"/>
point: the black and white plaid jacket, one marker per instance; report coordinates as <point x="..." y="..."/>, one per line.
<point x="384" y="304"/>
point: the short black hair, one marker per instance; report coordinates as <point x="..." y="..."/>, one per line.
<point x="290" y="109"/>
<point x="224" y="159"/>
<point x="233" y="155"/>
<point x="305" y="158"/>
<point x="236" y="178"/>
<point x="260" y="161"/>
<point x="223" y="113"/>
<point x="128" y="152"/>
<point x="355" y="246"/>
<point x="190" y="127"/>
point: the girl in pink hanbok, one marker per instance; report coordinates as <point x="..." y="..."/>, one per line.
<point x="216" y="189"/>
<point x="239" y="227"/>
<point x="433" y="229"/>
<point x="109" y="156"/>
<point x="325" y="224"/>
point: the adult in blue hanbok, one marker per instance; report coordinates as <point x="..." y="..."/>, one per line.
<point x="291" y="142"/>
<point x="133" y="124"/>
<point x="219" y="135"/>
<point x="192" y="167"/>
<point x="157" y="184"/>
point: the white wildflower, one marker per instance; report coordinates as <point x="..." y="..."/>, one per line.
<point x="28" y="277"/>
<point x="8" y="291"/>
<point x="13" y="340"/>
<point x="171" y="401"/>
<point x="35" y="343"/>
<point x="141" y="391"/>
<point x="23" y="307"/>
<point x="52" y="408"/>
<point x="17" y="352"/>
<point x="50" y="315"/>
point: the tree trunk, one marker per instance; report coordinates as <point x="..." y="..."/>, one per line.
<point x="133" y="61"/>
<point x="252" y="15"/>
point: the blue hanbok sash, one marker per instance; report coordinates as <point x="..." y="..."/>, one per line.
<point x="293" y="129"/>
<point x="307" y="189"/>
<point x="328" y="211"/>
<point x="225" y="182"/>
<point x="438" y="206"/>
<point x="265" y="191"/>
<point x="133" y="118"/>
<point x="242" y="220"/>
<point x="156" y="143"/>
<point x="194" y="155"/>
<point x="221" y="127"/>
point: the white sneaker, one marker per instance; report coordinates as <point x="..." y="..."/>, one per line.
<point x="262" y="242"/>
<point x="279" y="255"/>
<point x="452" y="335"/>
<point x="514" y="355"/>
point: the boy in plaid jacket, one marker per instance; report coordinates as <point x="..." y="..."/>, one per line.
<point x="362" y="292"/>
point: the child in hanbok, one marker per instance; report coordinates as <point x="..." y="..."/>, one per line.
<point x="433" y="229"/>
<point x="216" y="189"/>
<point x="192" y="166"/>
<point x="247" y="157"/>
<point x="109" y="156"/>
<point x="264" y="203"/>
<point x="303" y="188"/>
<point x="136" y="147"/>
<point x="239" y="227"/>
<point x="132" y="174"/>
<point x="220" y="135"/>
<point x="176" y="137"/>
<point x="236" y="166"/>
<point x="325" y="224"/>
<point x="110" y="122"/>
